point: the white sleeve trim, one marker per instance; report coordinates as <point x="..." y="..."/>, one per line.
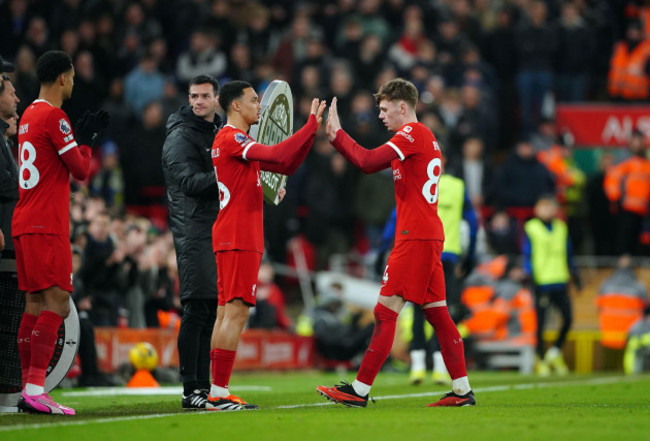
<point x="243" y="155"/>
<point x="399" y="152"/>
<point x="72" y="145"/>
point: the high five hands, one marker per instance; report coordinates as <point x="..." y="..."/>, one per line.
<point x="333" y="122"/>
<point x="317" y="108"/>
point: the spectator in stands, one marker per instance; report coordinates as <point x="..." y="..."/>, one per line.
<point x="601" y="219"/>
<point x="25" y="78"/>
<point x="500" y="51"/>
<point x="108" y="182"/>
<point x="629" y="72"/>
<point x="549" y="265"/>
<point x="90" y="374"/>
<point x="14" y="17"/>
<point x="37" y="36"/>
<point x="143" y="84"/>
<point x="545" y="136"/>
<point x="330" y="194"/>
<point x="627" y="186"/>
<point x="476" y="171"/>
<point x="621" y="300"/>
<point x="202" y="58"/>
<point x="536" y="43"/>
<point x="269" y="311"/>
<point x="341" y="332"/>
<point x="89" y="91"/>
<point x="502" y="234"/>
<point x="368" y="60"/>
<point x="522" y="179"/>
<point x="98" y="272"/>
<point x="576" y="49"/>
<point x="140" y="159"/>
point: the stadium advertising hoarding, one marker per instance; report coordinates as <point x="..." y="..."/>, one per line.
<point x="603" y="125"/>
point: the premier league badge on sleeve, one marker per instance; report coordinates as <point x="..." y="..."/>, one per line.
<point x="276" y="125"/>
<point x="64" y="126"/>
<point x="240" y="137"/>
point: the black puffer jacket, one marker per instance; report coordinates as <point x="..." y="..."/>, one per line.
<point x="8" y="190"/>
<point x="193" y="198"/>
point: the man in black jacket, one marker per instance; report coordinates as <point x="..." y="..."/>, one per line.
<point x="193" y="198"/>
<point x="11" y="303"/>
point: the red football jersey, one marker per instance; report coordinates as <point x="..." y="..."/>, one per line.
<point x="416" y="174"/>
<point x="48" y="153"/>
<point x="239" y="225"/>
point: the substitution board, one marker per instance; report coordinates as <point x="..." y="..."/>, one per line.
<point x="276" y="125"/>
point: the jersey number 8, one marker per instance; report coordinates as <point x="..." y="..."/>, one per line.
<point x="27" y="164"/>
<point x="434" y="171"/>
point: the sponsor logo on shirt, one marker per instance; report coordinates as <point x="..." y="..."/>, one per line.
<point x="24" y="128"/>
<point x="436" y="146"/>
<point x="215" y="153"/>
<point x="397" y="175"/>
<point x="64" y="126"/>
<point x="406" y="135"/>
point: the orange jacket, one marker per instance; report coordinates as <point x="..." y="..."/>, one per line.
<point x="629" y="183"/>
<point x="621" y="300"/>
<point x="617" y="313"/>
<point x="627" y="76"/>
<point x="554" y="161"/>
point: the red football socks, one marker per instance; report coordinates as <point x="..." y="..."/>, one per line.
<point x="43" y="339"/>
<point x="222" y="363"/>
<point x="451" y="344"/>
<point x="380" y="344"/>
<point x="24" y="343"/>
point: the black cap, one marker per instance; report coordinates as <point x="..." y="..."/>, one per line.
<point x="5" y="66"/>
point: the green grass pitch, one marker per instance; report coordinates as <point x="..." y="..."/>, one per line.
<point x="510" y="407"/>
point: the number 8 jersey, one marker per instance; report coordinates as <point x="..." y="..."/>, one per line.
<point x="47" y="153"/>
<point x="416" y="174"/>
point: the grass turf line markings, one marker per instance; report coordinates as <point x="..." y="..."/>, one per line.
<point x="125" y="391"/>
<point x="524" y="386"/>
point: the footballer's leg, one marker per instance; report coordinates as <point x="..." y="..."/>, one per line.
<point x="227" y="337"/>
<point x="356" y="394"/>
<point x="453" y="353"/>
<point x="56" y="308"/>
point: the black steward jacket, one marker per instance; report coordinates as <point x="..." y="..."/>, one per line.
<point x="193" y="198"/>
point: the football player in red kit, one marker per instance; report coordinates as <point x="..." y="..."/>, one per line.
<point x="237" y="234"/>
<point x="414" y="269"/>
<point x="48" y="154"/>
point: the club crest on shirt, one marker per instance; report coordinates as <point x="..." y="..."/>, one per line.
<point x="240" y="137"/>
<point x="64" y="126"/>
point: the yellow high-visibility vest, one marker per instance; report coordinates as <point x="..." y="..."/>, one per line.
<point x="451" y="198"/>
<point x="548" y="251"/>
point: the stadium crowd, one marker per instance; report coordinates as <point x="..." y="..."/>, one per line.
<point x="488" y="74"/>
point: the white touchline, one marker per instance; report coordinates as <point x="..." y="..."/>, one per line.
<point x="70" y="422"/>
<point x="126" y="391"/>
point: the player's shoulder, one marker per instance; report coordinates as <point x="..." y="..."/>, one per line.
<point x="230" y="138"/>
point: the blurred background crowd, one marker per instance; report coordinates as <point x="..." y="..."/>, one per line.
<point x="489" y="73"/>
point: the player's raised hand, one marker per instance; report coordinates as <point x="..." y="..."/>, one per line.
<point x="317" y="108"/>
<point x="333" y="123"/>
